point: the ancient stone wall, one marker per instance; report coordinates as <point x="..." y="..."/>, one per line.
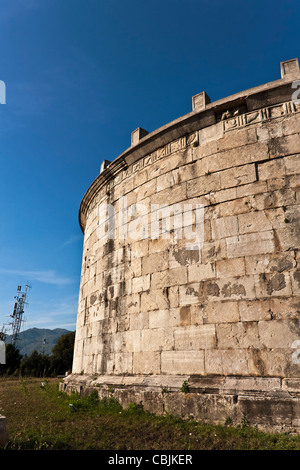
<point x="190" y="266"/>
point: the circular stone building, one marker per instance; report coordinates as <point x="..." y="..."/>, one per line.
<point x="189" y="296"/>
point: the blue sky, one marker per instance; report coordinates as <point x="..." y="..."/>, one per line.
<point x="80" y="76"/>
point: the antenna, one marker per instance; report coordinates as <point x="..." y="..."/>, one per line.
<point x="18" y="312"/>
<point x="43" y="346"/>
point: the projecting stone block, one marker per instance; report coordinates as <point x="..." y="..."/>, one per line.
<point x="290" y="69"/>
<point x="137" y="135"/>
<point x="104" y="165"/>
<point x="200" y="101"/>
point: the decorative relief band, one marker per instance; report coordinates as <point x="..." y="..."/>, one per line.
<point x="261" y="115"/>
<point x="230" y="123"/>
<point x="161" y="152"/>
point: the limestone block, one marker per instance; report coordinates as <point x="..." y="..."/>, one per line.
<point x="241" y="384"/>
<point x="185" y="315"/>
<point x="292" y="164"/>
<point x="267" y="132"/>
<point x="169" y="163"/>
<point x="273" y="363"/>
<point x="289" y="69"/>
<point x="251" y="189"/>
<point x="137" y="135"/>
<point x="238" y="138"/>
<point x="223" y="195"/>
<point x="138" y="249"/>
<point x="141" y="283"/>
<point x="284" y="308"/>
<point x="238" y="156"/>
<point x="278" y="262"/>
<point x="205" y="149"/>
<point x="158" y="245"/>
<point x="238" y="206"/>
<point x="279" y="334"/>
<point x="224" y="227"/>
<point x="253" y="222"/>
<point x="146" y="362"/>
<point x="211" y="134"/>
<point x="232" y="267"/>
<point x="283" y="146"/>
<point x="168" y="196"/>
<point x="291" y="125"/>
<point x="271" y="169"/>
<point x="254" y="310"/>
<point x="140" y="177"/>
<point x="221" y="312"/>
<point x="183" y="257"/>
<point x="189" y="294"/>
<point x="215" y="250"/>
<point x="226" y="362"/>
<point x="139" y="320"/>
<point x="173" y="296"/>
<point x="195" y="337"/>
<point x="163" y="318"/>
<point x="238" y="335"/>
<point x="147" y="189"/>
<point x="123" y="363"/>
<point x="250" y="244"/>
<point x="278" y="284"/>
<point x="154" y="299"/>
<point x="103" y="364"/>
<point x="295" y="280"/>
<point x="171" y="178"/>
<point x="203" y="185"/>
<point x="234" y="288"/>
<point x="171" y="277"/>
<point x="288" y="237"/>
<point x="238" y="175"/>
<point x="154" y="262"/>
<point x="133" y="303"/>
<point x="200" y="101"/>
<point x="182" y="362"/>
<point x="157" y="339"/>
<point x="133" y="340"/>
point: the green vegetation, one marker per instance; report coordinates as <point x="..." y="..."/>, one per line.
<point x="40" y="417"/>
<point x="185" y="387"/>
<point x="40" y="365"/>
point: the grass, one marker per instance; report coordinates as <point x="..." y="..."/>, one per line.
<point x="41" y="418"/>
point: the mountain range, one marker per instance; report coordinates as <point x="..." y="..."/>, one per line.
<point x="41" y="340"/>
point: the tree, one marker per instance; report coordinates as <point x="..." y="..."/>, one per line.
<point x="62" y="353"/>
<point x="36" y="364"/>
<point x="13" y="360"/>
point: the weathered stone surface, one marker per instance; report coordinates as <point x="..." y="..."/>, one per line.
<point x="200" y="281"/>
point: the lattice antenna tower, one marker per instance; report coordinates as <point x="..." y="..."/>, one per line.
<point x="18" y="312"/>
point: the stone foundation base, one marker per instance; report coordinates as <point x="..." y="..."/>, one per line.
<point x="269" y="403"/>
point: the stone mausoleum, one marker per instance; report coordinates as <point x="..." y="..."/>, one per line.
<point x="189" y="297"/>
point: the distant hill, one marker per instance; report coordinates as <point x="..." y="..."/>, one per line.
<point x="32" y="339"/>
